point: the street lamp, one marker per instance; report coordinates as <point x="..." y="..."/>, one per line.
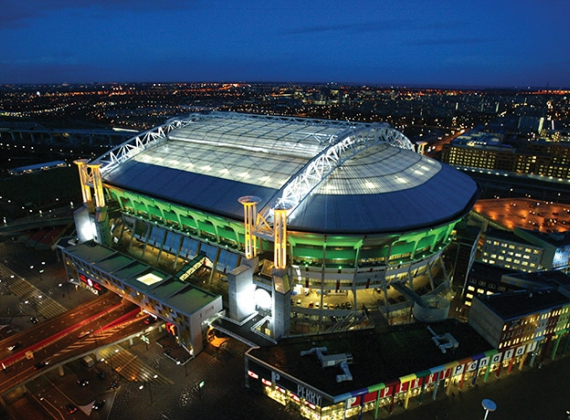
<point x="185" y="370"/>
<point x="149" y="391"/>
<point x="32" y="302"/>
<point x="488" y="405"/>
<point x="67" y="291"/>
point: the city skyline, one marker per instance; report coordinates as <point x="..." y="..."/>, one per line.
<point x="489" y="44"/>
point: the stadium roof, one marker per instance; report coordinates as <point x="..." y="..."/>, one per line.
<point x="336" y="176"/>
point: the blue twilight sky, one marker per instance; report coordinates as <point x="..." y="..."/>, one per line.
<point x="510" y="43"/>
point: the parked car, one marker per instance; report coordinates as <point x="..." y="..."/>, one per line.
<point x="98" y="404"/>
<point x="71" y="408"/>
<point x="82" y="382"/>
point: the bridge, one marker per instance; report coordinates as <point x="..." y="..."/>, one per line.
<point x="35" y="134"/>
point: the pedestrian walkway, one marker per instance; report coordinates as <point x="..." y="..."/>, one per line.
<point x="130" y="366"/>
<point x="42" y="305"/>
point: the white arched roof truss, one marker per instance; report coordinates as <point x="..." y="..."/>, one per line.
<point x="347" y="145"/>
<point x="139" y="143"/>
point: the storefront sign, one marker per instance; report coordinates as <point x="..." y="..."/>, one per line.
<point x="532" y="346"/>
<point x="520" y="351"/>
<point x="386" y="392"/>
<point x="354" y="401"/>
<point x="496" y="358"/>
<point x="459" y="370"/>
<point x="309" y="395"/>
<point x="431" y="378"/>
<point x="509" y="354"/>
<point x="484" y="362"/>
<point x="416" y="383"/>
<point x="93" y="285"/>
<point x="473" y="366"/>
<point x="402" y="387"/>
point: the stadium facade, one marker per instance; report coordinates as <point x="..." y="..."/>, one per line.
<point x="278" y="207"/>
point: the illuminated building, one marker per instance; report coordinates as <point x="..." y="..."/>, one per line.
<point x="280" y="206"/>
<point x="332" y="377"/>
<point x="555" y="247"/>
<point x="506" y="249"/>
<point x="344" y="375"/>
<point x="543" y="159"/>
<point x="524" y="317"/>
<point x="526" y="250"/>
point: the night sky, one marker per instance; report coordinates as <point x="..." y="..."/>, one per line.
<point x="450" y="43"/>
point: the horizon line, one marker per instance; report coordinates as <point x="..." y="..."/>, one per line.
<point x="383" y="85"/>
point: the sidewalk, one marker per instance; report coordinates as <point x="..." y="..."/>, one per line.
<point x="45" y="274"/>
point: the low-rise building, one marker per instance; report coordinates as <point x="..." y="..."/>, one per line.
<point x="524" y="317"/>
<point x="508" y="250"/>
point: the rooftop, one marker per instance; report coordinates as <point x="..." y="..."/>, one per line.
<point x="362" y="178"/>
<point x="148" y="280"/>
<point x="513" y="305"/>
<point x="378" y="357"/>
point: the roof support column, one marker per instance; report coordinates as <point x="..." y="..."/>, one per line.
<point x="84" y="181"/>
<point x="97" y="184"/>
<point x="280" y="235"/>
<point x="249" y="203"/>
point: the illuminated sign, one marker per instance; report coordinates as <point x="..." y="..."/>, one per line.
<point x="309" y="395"/>
<point x="89" y="282"/>
<point x="371" y="396"/>
<point x="484" y="362"/>
<point x="459" y="370"/>
<point x="386" y="392"/>
<point x="496" y="358"/>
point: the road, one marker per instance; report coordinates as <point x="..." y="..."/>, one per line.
<point x="66" y="336"/>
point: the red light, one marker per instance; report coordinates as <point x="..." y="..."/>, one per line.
<point x="265" y="382"/>
<point x="280" y="390"/>
<point x="253" y="374"/>
<point x="171" y="328"/>
<point x="310" y="405"/>
<point x="295" y="398"/>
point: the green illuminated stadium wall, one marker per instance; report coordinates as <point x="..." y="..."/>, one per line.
<point x="305" y="248"/>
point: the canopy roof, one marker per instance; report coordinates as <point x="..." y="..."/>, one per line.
<point x="335" y="176"/>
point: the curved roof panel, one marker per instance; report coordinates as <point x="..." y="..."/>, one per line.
<point x="208" y="161"/>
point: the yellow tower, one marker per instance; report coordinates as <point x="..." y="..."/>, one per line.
<point x="249" y="203"/>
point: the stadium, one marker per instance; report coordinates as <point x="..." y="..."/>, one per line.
<point x="292" y="216"/>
